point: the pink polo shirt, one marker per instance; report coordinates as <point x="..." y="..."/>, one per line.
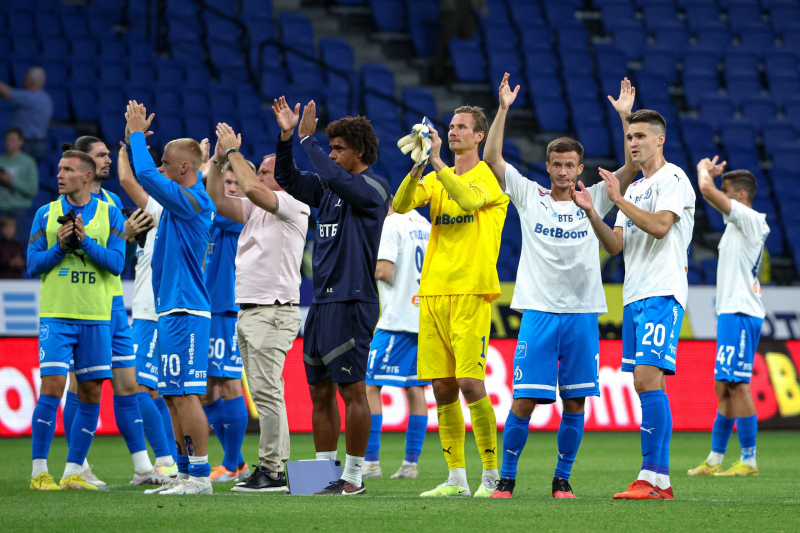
<point x="270" y="252"/>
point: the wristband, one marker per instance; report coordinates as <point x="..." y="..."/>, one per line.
<point x="231" y="150"/>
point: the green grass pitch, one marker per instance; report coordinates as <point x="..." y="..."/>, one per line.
<point x="607" y="462"/>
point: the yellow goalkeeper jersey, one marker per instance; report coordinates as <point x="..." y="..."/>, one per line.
<point x="464" y="245"/>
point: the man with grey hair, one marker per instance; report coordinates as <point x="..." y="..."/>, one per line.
<point x="33" y="109"/>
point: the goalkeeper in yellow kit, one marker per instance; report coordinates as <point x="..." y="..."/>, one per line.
<point x="458" y="283"/>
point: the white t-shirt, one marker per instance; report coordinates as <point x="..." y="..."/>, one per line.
<point x="403" y="242"/>
<point x="658" y="267"/>
<point x="740" y="250"/>
<point x="559" y="268"/>
<point x="144" y="307"/>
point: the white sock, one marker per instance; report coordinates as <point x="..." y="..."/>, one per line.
<point x="459" y="475"/>
<point x="352" y="469"/>
<point x="201" y="480"/>
<point x="648" y="475"/>
<point x="372" y="464"/>
<point x="86" y="464"/>
<point x="714" y="458"/>
<point x="70" y="469"/>
<point x="181" y="475"/>
<point x="198" y="459"/>
<point x="407" y="463"/>
<point x="165" y="460"/>
<point x="141" y="462"/>
<point x="326" y="455"/>
<point x="39" y="466"/>
<point x="750" y="459"/>
<point x="662" y="481"/>
<point x="491" y="473"/>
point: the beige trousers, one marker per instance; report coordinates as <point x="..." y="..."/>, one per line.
<point x="265" y="336"/>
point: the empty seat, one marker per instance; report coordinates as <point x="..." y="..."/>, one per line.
<point x="296" y="29"/>
<point x="551" y="114"/>
<point x="783" y="88"/>
<point x="595" y="140"/>
<point x="741" y="86"/>
<point x="740" y="14"/>
<point x="536" y="38"/>
<point x="787" y="158"/>
<point x="756" y="37"/>
<point x="741" y="61"/>
<point x="581" y="87"/>
<point x="792" y="110"/>
<point x="672" y="35"/>
<point x="698" y="87"/>
<point x="758" y="109"/>
<point x="776" y="133"/>
<point x="714" y="37"/>
<point x="661" y="62"/>
<point x="468" y="62"/>
<point x="423" y="24"/>
<point x="630" y="38"/>
<point x="540" y="62"/>
<point x="611" y="61"/>
<point x="784" y="14"/>
<point x="699" y="61"/>
<point x="738" y="134"/>
<point x="388" y="15"/>
<point x="716" y="110"/>
<point x="377" y="78"/>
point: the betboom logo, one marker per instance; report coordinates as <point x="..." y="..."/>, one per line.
<point x="559" y="233"/>
<point x="191" y="349"/>
<point x="447" y="220"/>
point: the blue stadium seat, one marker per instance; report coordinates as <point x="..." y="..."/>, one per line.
<point x="423" y="24"/>
<point x="195" y="100"/>
<point x="758" y="109"/>
<point x="741" y="62"/>
<point x="100" y="26"/>
<point x="199" y="126"/>
<point x="60" y="96"/>
<point x="84" y="104"/>
<point x="661" y="62"/>
<point x="786" y="158"/>
<point x="140" y="76"/>
<point x="784" y="14"/>
<point x="672" y="35"/>
<point x="525" y="13"/>
<point x="273" y="85"/>
<point x="560" y="13"/>
<point x="783" y="88"/>
<point x="112" y="77"/>
<point x="587" y="111"/>
<point x="630" y="37"/>
<point x="658" y="12"/>
<point x="84" y="50"/>
<point x="709" y="266"/>
<point x="48" y="24"/>
<point x="776" y="133"/>
<point x="468" y="62"/>
<point x="537" y="62"/>
<point x="499" y="39"/>
<point x="572" y="38"/>
<point x="551" y="114"/>
<point x="388" y="15"/>
<point x="779" y="62"/>
<point x="756" y="37"/>
<point x="262" y="8"/>
<point x="378" y="108"/>
<point x="544" y="87"/>
<point x="421" y="103"/>
<point x="181" y="8"/>
<point x="611" y="61"/>
<point x="497" y="15"/>
<point x="336" y="53"/>
<point x="791" y="109"/>
<point x="746" y="159"/>
<point x="595" y="140"/>
<point x="501" y="62"/>
<point x="581" y="87"/>
<point x="738" y="134"/>
<point x="296" y="30"/>
<point x="716" y="109"/>
<point x="21" y="24"/>
<point x="741" y="86"/>
<point x="699" y="61"/>
<point x="774" y="241"/>
<point x="168" y="99"/>
<point x="26" y="49"/>
<point x="536" y="39"/>
<point x="377" y="78"/>
<point x="112" y="100"/>
<point x="698" y="87"/>
<point x="741" y="14"/>
<point x="714" y="36"/>
<point x="576" y="62"/>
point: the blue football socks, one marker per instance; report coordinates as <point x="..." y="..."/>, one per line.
<point x="82" y="433"/>
<point x="216" y="416"/>
<point x="166" y="419"/>
<point x="415" y="436"/>
<point x="721" y="433"/>
<point x="235" y="420"/>
<point x="374" y="442"/>
<point x="515" y="435"/>
<point x="68" y="414"/>
<point x="654" y="418"/>
<point x="183" y="463"/>
<point x="130" y="422"/>
<point x="153" y="426"/>
<point x="43" y="425"/>
<point x="570" y="433"/>
<point x="747" y="429"/>
<point x="663" y="462"/>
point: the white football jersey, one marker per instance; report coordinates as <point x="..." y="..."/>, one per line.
<point x="658" y="267"/>
<point x="559" y="268"/>
<point x="740" y="250"/>
<point x="144" y="306"/>
<point x="403" y="242"/>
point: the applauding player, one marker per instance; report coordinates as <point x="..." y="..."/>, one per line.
<point x="459" y="282"/>
<point x="558" y="289"/>
<point x="740" y="311"/>
<point x="182" y="303"/>
<point x="353" y="202"/>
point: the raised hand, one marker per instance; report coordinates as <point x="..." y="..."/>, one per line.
<point x="612" y="185"/>
<point x="227" y="138"/>
<point x="308" y="124"/>
<point x="286" y="117"/>
<point x="137" y="120"/>
<point x="436" y="145"/>
<point x="205" y="146"/>
<point x="507" y="96"/>
<point x="627" y="94"/>
<point x="581" y="196"/>
<point x="711" y="166"/>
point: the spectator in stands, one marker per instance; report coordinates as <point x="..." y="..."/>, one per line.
<point x="12" y="258"/>
<point x="33" y="109"/>
<point x="457" y="18"/>
<point x="19" y="177"/>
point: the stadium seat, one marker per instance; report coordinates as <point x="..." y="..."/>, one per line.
<point x="572" y="38"/>
<point x="758" y="109"/>
<point x="296" y="30"/>
<point x="595" y="140"/>
<point x="780" y="62"/>
<point x="698" y="61"/>
<point x="419" y="102"/>
<point x="630" y="37"/>
<point x="60" y="96"/>
<point x="786" y="158"/>
<point x="696" y="132"/>
<point x="738" y="134"/>
<point x="84" y="104"/>
<point x="662" y="62"/>
<point x="468" y="62"/>
<point x="538" y="62"/>
<point x="740" y="14"/>
<point x="776" y="133"/>
<point x="784" y="14"/>
<point x="756" y="37"/>
<point x="388" y="15"/>
<point x="581" y="87"/>
<point x="377" y="78"/>
<point x="21" y="24"/>
<point x="611" y="61"/>
<point x="573" y="62"/>
<point x="657" y="13"/>
<point x="698" y="87"/>
<point x="536" y="39"/>
<point x="783" y="88"/>
<point x="587" y="111"/>
<point x="52" y="49"/>
<point x="742" y="86"/>
<point x="709" y="266"/>
<point x="551" y="114"/>
<point x="423" y="24"/>
<point x="714" y="36"/>
<point x="741" y="62"/>
<point x="791" y="110"/>
<point x="672" y="35"/>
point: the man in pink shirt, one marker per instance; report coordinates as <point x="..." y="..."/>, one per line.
<point x="268" y="258"/>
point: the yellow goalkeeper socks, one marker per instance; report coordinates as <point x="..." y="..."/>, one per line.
<point x="484" y="426"/>
<point x="451" y="433"/>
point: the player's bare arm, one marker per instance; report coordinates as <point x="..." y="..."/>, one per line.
<point x="286" y="117"/>
<point x="608" y="237"/>
<point x="707" y="170"/>
<point x="468" y="196"/>
<point x="623" y="106"/>
<point x="227" y="206"/>
<point x="656" y="224"/>
<point x="128" y="180"/>
<point x="384" y="270"/>
<point x="493" y="151"/>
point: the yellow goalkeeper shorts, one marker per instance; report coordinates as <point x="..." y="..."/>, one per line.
<point x="453" y="336"/>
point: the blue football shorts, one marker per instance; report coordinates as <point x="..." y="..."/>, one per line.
<point x="393" y="360"/>
<point x="557" y="350"/>
<point x="87" y="346"/>
<point x="145" y="344"/>
<point x="737" y="340"/>
<point x="183" y="342"/>
<point x="122" y="352"/>
<point x="650" y="331"/>
<point x="224" y="359"/>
